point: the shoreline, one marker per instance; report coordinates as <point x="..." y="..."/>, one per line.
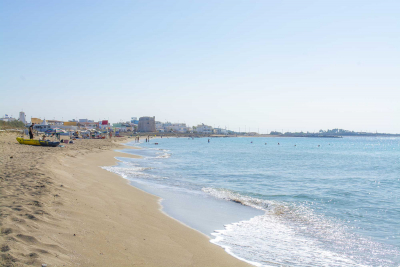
<point x="87" y="216"/>
<point x="222" y="212"/>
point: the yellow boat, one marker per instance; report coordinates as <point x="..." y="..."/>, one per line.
<point x="33" y="142"/>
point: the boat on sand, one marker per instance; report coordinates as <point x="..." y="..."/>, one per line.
<point x="33" y="142"/>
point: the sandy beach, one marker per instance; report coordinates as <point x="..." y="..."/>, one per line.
<point x="58" y="207"/>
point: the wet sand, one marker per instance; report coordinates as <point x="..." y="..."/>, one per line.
<point x="60" y="208"/>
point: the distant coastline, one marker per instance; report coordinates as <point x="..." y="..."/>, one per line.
<point x="217" y="132"/>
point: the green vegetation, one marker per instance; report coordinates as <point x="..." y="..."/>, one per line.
<point x="11" y="125"/>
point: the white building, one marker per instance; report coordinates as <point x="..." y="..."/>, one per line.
<point x="22" y="117"/>
<point x="159" y="126"/>
<point x="7" y="118"/>
<point x="220" y="131"/>
<point x="172" y="127"/>
<point x="55" y="123"/>
<point x="42" y="127"/>
<point x="176" y="128"/>
<point x="204" y="129"/>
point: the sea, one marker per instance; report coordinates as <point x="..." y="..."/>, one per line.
<point x="279" y="201"/>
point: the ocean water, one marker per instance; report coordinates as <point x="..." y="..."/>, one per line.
<point x="280" y="201"/>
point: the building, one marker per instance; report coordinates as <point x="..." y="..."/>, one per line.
<point x="70" y="123"/>
<point x="147" y="124"/>
<point x="36" y="120"/>
<point x="104" y="124"/>
<point x="176" y="128"/>
<point x="159" y="126"/>
<point x="123" y="127"/>
<point x="7" y="118"/>
<point x="169" y="127"/>
<point x="220" y="131"/>
<point x="55" y="122"/>
<point x="203" y="129"/>
<point x="88" y="125"/>
<point x="42" y="126"/>
<point x="22" y="117"/>
<point x="134" y="120"/>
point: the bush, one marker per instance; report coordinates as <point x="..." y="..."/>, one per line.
<point x="12" y="125"/>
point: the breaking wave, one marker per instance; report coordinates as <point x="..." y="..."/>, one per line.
<point x="132" y="172"/>
<point x="295" y="235"/>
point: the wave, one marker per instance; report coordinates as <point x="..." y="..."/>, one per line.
<point x="132" y="172"/>
<point x="163" y="155"/>
<point x="294" y="234"/>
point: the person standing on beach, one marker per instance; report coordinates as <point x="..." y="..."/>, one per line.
<point x="31" y="131"/>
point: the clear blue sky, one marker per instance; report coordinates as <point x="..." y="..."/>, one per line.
<point x="267" y="64"/>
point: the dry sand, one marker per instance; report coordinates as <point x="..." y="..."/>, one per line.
<point x="60" y="208"/>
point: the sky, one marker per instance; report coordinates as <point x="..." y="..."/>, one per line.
<point x="259" y="65"/>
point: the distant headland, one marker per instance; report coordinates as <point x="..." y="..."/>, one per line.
<point x="334" y="133"/>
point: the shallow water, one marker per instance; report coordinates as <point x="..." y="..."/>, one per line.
<point x="306" y="201"/>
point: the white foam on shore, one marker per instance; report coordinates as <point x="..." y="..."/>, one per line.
<point x="289" y="234"/>
<point x="164" y="155"/>
<point x="132" y="170"/>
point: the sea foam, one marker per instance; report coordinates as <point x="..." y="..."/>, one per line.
<point x="293" y="234"/>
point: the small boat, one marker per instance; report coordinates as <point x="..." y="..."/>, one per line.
<point x="33" y="142"/>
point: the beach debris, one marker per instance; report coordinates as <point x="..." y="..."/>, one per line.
<point x="44" y="265"/>
<point x="74" y="234"/>
<point x="11" y="157"/>
<point x="236" y="201"/>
